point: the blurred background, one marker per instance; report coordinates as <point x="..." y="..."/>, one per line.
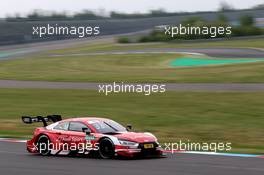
<point x="118" y="18"/>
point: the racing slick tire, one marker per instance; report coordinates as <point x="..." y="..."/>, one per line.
<point x="106" y="149"/>
<point x="43" y="145"/>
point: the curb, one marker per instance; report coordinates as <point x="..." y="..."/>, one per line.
<point x="215" y="153"/>
<point x="12" y="140"/>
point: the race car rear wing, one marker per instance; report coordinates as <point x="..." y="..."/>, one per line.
<point x="44" y="120"/>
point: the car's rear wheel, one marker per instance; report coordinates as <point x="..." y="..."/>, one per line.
<point x="44" y="145"/>
<point x="106" y="149"/>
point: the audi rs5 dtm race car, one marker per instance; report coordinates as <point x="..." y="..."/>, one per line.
<point x="104" y="137"/>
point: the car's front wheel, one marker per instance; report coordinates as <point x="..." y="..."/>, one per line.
<point x="44" y="145"/>
<point x="106" y="149"/>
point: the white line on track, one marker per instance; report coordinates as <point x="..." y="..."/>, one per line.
<point x="123" y="53"/>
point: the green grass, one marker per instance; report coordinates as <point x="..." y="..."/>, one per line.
<point x="109" y="68"/>
<point x="127" y="68"/>
<point x="195" y="116"/>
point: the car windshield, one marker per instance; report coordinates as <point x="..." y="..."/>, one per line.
<point x="107" y="126"/>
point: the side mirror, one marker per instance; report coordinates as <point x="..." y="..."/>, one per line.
<point x="129" y="127"/>
<point x="87" y="131"/>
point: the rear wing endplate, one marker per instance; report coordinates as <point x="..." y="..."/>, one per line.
<point x="44" y="120"/>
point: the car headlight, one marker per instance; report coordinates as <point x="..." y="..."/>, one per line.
<point x="128" y="143"/>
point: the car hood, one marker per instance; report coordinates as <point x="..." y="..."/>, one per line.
<point x="136" y="137"/>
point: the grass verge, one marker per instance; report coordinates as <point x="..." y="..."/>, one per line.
<point x="127" y="68"/>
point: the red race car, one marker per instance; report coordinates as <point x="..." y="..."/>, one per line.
<point x="76" y="136"/>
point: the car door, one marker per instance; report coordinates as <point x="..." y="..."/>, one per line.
<point x="60" y="131"/>
<point x="76" y="134"/>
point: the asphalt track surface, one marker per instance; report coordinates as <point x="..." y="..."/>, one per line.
<point x="14" y="160"/>
<point x="19" y="51"/>
<point x="212" y="52"/>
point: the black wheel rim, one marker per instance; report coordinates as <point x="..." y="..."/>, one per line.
<point x="106" y="149"/>
<point x="43" y="146"/>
